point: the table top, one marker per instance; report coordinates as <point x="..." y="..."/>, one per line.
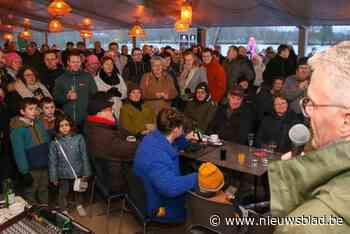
<point x="232" y="162"/>
<point x="200" y="153"/>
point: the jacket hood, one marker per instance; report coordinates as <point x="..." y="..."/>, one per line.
<point x="19" y="122"/>
<point x="322" y="175"/>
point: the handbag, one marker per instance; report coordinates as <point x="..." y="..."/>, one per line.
<point x="80" y="184"/>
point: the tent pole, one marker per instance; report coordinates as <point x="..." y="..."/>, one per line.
<point x="302" y="41"/>
<point x="202" y="37"/>
<point x="133" y="42"/>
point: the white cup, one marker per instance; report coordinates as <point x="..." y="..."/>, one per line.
<point x="214" y="137"/>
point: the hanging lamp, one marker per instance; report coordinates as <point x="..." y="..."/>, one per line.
<point x="85" y="34"/>
<point x="8" y="36"/>
<point x="55" y="26"/>
<point x="186" y="13"/>
<point x="26" y="34"/>
<point x="181" y="26"/>
<point x="136" y="30"/>
<point x="59" y="8"/>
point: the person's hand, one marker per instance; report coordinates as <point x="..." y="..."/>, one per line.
<point x="287" y="156"/>
<point x="192" y="136"/>
<point x="72" y="95"/>
<point x="304" y="84"/>
<point x="55" y="183"/>
<point x="159" y="94"/>
<point x="166" y="96"/>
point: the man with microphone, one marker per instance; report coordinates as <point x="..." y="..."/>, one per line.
<point x="317" y="185"/>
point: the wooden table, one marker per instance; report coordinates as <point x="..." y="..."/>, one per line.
<point x="212" y="154"/>
<point x="232" y="163"/>
<point x="207" y="149"/>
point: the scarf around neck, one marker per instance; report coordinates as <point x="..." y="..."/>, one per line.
<point x="110" y="80"/>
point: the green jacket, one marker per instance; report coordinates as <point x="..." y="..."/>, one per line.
<point x="135" y="120"/>
<point x="316" y="184"/>
<point x="202" y="113"/>
<point x="85" y="87"/>
<point x="29" y="144"/>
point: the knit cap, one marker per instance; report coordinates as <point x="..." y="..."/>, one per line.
<point x="92" y="59"/>
<point x="210" y="178"/>
<point x="10" y="57"/>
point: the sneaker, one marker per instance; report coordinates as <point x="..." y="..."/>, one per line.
<point x="81" y="211"/>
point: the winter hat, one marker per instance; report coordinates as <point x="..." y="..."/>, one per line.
<point x="204" y="86"/>
<point x="99" y="102"/>
<point x="10" y="57"/>
<point x="132" y="86"/>
<point x="210" y="178"/>
<point x="236" y="91"/>
<point x="92" y="59"/>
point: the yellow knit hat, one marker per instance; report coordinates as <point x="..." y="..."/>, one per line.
<point x="210" y="178"/>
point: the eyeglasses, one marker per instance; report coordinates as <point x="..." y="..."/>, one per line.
<point x="307" y="106"/>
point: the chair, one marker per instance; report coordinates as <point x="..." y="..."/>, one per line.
<point x="135" y="197"/>
<point x="208" y="208"/>
<point x="200" y="209"/>
<point x="104" y="171"/>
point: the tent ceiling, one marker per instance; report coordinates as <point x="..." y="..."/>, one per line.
<point x="114" y="14"/>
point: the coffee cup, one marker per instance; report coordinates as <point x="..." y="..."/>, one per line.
<point x="214" y="138"/>
<point x="131" y="139"/>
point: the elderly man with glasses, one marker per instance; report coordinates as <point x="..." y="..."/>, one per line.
<point x="315" y="188"/>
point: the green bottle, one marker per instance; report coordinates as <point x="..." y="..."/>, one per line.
<point x="8" y="192"/>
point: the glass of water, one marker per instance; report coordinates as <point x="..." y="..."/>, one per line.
<point x="250" y="139"/>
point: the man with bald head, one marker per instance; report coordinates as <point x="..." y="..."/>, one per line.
<point x="317" y="184"/>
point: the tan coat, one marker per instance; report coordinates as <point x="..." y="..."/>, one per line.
<point x="150" y="85"/>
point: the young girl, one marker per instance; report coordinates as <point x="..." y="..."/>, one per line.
<point x="61" y="174"/>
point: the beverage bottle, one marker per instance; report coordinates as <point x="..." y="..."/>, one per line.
<point x="8" y="191"/>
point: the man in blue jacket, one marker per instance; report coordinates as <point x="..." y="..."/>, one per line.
<point x="157" y="164"/>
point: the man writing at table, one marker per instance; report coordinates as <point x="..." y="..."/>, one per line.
<point x="317" y="184"/>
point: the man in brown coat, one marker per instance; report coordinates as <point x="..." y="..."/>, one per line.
<point x="158" y="89"/>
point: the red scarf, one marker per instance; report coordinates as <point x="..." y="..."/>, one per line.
<point x="101" y="120"/>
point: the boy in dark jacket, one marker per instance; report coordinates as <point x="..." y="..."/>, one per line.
<point x="30" y="147"/>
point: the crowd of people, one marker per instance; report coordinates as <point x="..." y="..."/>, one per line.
<point x="84" y="103"/>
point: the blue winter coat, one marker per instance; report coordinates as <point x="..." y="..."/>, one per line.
<point x="157" y="164"/>
<point x="75" y="149"/>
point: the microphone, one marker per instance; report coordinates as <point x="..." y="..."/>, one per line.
<point x="299" y="134"/>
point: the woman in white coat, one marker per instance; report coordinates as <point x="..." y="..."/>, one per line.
<point x="109" y="80"/>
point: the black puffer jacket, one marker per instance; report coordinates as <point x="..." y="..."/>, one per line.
<point x="234" y="128"/>
<point x="275" y="129"/>
<point x="133" y="72"/>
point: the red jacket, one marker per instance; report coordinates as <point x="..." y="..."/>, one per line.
<point x="216" y="80"/>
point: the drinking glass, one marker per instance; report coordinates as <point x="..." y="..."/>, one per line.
<point x="241" y="158"/>
<point x="251" y="139"/>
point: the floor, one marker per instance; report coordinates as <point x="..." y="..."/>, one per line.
<point x="97" y="223"/>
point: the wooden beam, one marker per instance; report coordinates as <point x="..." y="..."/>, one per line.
<point x="91" y="14"/>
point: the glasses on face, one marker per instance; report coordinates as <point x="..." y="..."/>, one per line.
<point x="307" y="106"/>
